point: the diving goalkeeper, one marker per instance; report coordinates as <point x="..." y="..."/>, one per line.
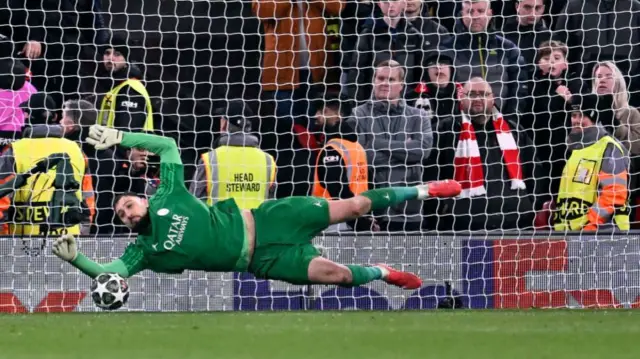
<point x="178" y="232"/>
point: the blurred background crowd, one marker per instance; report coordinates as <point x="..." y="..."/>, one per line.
<point x="530" y="104"/>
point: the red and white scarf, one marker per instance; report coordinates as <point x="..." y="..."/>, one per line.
<point x="468" y="164"/>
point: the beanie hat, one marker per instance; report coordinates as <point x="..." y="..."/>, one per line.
<point x="599" y="108"/>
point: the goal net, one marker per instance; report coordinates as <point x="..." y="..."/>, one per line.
<point x="412" y="78"/>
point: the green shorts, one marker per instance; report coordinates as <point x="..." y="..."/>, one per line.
<point x="284" y="231"/>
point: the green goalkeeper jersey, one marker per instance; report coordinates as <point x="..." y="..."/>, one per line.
<point x="183" y="233"/>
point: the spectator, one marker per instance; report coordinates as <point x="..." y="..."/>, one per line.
<point x="29" y="210"/>
<point x="494" y="161"/>
<point x="444" y="11"/>
<point x="109" y="176"/>
<point x="39" y="109"/>
<point x="593" y="192"/>
<point x="20" y="32"/>
<point x="549" y="121"/>
<point x="355" y="14"/>
<point x="389" y="37"/>
<point x="295" y="53"/>
<point x="478" y="52"/>
<point x="14" y="90"/>
<point x="237" y="168"/>
<point x="417" y="15"/>
<point x="440" y="89"/>
<point x="72" y="31"/>
<point x="397" y="139"/>
<point x="341" y="170"/>
<point x="527" y="30"/>
<point x="625" y="126"/>
<point x="142" y="168"/>
<point x="601" y="30"/>
<point x="127" y="105"/>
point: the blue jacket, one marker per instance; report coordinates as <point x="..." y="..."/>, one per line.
<point x="493" y="58"/>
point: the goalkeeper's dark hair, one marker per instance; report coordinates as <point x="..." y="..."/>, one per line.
<point x="336" y="102"/>
<point x="120" y="196"/>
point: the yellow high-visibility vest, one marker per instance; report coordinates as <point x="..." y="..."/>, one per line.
<point x="31" y="201"/>
<point x="107" y="114"/>
<point x="579" y="189"/>
<point x="242" y="173"/>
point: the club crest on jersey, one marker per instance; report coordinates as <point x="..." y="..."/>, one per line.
<point x="162" y="212"/>
<point x="153" y="182"/>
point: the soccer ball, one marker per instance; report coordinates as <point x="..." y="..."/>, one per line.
<point x="109" y="291"/>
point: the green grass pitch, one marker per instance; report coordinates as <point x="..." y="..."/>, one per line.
<point x="558" y="334"/>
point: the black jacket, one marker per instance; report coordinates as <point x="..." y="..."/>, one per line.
<point x="434" y="33"/>
<point x="444" y="102"/>
<point x="527" y="38"/>
<point x="501" y="207"/>
<point x="377" y="43"/>
<point x="494" y="58"/>
<point x="548" y="123"/>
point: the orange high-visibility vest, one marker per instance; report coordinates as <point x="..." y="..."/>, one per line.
<point x="355" y="160"/>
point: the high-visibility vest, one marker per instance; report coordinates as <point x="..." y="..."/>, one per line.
<point x="107" y="114"/>
<point x="355" y="160"/>
<point x="31" y="202"/>
<point x="242" y="173"/>
<point x="579" y="189"/>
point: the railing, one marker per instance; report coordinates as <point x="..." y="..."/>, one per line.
<point x="481" y="270"/>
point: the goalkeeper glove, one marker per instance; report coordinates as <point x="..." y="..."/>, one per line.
<point x="65" y="248"/>
<point x="102" y="137"/>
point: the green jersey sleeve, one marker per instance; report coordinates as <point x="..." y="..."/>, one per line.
<point x="130" y="263"/>
<point x="171" y="167"/>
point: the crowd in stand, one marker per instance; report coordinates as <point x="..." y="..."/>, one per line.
<point x="448" y="90"/>
<point x="532" y="111"/>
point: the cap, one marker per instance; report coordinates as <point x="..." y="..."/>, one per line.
<point x="237" y="113"/>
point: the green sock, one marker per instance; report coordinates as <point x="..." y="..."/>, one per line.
<point x="362" y="275"/>
<point x="386" y="197"/>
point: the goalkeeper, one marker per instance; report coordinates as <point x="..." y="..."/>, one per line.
<point x="178" y="232"/>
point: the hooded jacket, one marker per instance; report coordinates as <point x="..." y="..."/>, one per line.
<point x="493" y="58"/>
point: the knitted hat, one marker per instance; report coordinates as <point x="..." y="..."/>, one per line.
<point x="599" y="108"/>
<point x="117" y="43"/>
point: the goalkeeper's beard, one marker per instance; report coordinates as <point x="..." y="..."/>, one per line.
<point x="143" y="224"/>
